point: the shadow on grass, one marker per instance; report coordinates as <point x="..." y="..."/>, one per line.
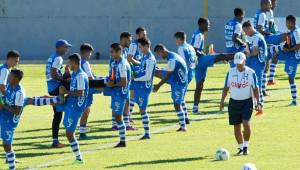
<point x="160" y="161"/>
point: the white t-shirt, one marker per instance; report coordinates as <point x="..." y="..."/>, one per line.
<point x="80" y="82"/>
<point x="3" y="76"/>
<point x="19" y="100"/>
<point x="87" y="69"/>
<point x="57" y="63"/>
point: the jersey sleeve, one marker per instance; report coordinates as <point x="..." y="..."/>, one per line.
<point x="3" y="76"/>
<point x="19" y="100"/>
<point x="255" y="41"/>
<point x="226" y="84"/>
<point x="297" y="36"/>
<point x="132" y="49"/>
<point x="80" y="82"/>
<point x="238" y="29"/>
<point x="261" y="19"/>
<point x="171" y="65"/>
<point x="87" y="69"/>
<point x="181" y="52"/>
<point x="123" y="70"/>
<point x="150" y="64"/>
<point x="198" y="41"/>
<point x="57" y="63"/>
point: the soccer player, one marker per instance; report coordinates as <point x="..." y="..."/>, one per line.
<point x="76" y="103"/>
<point x="293" y="52"/>
<point x="203" y="61"/>
<point x="125" y="41"/>
<point x="86" y="51"/>
<point x="175" y="75"/>
<point x="54" y="79"/>
<point x="10" y="112"/>
<point x="258" y="54"/>
<point x="12" y="59"/>
<point x="234" y="39"/>
<point x="188" y="53"/>
<point x="242" y="83"/>
<point x="134" y="57"/>
<point x="144" y="81"/>
<point x="120" y="89"/>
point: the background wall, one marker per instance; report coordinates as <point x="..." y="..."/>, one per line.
<point x="32" y="26"/>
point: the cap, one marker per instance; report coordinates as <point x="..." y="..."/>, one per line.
<point x="239" y="58"/>
<point x="62" y="42"/>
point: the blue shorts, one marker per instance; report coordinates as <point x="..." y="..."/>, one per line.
<point x="258" y="68"/>
<point x="141" y="97"/>
<point x="234" y="50"/>
<point x="133" y="85"/>
<point x="282" y="56"/>
<point x="8" y="126"/>
<point x="291" y="65"/>
<point x="118" y="104"/>
<point x="178" y="93"/>
<point x="71" y="118"/>
<point x="107" y="91"/>
<point x="274" y="39"/>
<point x="201" y="68"/>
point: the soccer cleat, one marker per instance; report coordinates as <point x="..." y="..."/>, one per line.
<point x="187" y="121"/>
<point x="293" y="103"/>
<point x="271" y="83"/>
<point x="130" y="128"/>
<point x="78" y="162"/>
<point x="145" y="137"/>
<point x="259" y="113"/>
<point x="57" y="145"/>
<point x="114" y="128"/>
<point x="265" y="93"/>
<point x="240" y="152"/>
<point x="83" y="136"/>
<point x="121" y="144"/>
<point x="181" y="129"/>
<point x="245" y="151"/>
<point x="195" y="110"/>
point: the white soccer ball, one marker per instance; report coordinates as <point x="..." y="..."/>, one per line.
<point x="249" y="166"/>
<point x="222" y="154"/>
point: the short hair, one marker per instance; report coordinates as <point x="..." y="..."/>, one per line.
<point x="291" y="18"/>
<point x="13" y="54"/>
<point x="139" y="30"/>
<point x="264" y="1"/>
<point x="17" y="73"/>
<point x="202" y="21"/>
<point x="238" y="12"/>
<point x="247" y="24"/>
<point x="116" y="47"/>
<point x="86" y="47"/>
<point x="75" y="57"/>
<point x="125" y="35"/>
<point x="180" y="35"/>
<point x="159" y="47"/>
<point x="144" y="42"/>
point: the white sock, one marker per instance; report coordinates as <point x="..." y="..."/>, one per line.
<point x="246" y="144"/>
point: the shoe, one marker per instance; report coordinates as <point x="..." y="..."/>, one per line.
<point x="259" y="113"/>
<point x="120" y="145"/>
<point x="240" y="152"/>
<point x="181" y="129"/>
<point x="114" y="128"/>
<point x="195" y="110"/>
<point x="187" y="121"/>
<point x="265" y="93"/>
<point x="245" y="151"/>
<point x="57" y="145"/>
<point x="130" y="128"/>
<point x="271" y="83"/>
<point x="145" y="137"/>
<point x="78" y="162"/>
<point x="293" y="103"/>
<point x="83" y="136"/>
<point x="130" y="120"/>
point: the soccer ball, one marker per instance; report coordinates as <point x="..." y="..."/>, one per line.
<point x="249" y="166"/>
<point x="222" y="154"/>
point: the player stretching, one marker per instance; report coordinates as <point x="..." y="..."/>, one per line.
<point x="241" y="81"/>
<point x="203" y="61"/>
<point x="188" y="53"/>
<point x="176" y="76"/>
<point x="258" y="54"/>
<point x="120" y="84"/>
<point x="144" y="81"/>
<point x="234" y="39"/>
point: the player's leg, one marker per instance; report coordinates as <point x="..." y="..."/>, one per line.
<point x="83" y="123"/>
<point x="221" y="57"/>
<point x="200" y="75"/>
<point x="246" y="116"/>
<point x="118" y="108"/>
<point x="272" y="70"/>
<point x="178" y="98"/>
<point x="131" y="102"/>
<point x="291" y="66"/>
<point x="7" y="133"/>
<point x="197" y="96"/>
<point x="264" y="79"/>
<point x="142" y="98"/>
<point x="126" y="117"/>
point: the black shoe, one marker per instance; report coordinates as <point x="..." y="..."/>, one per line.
<point x="121" y="145"/>
<point x="240" y="152"/>
<point x="83" y="136"/>
<point x="245" y="151"/>
<point x="145" y="137"/>
<point x="187" y="121"/>
<point x="265" y="94"/>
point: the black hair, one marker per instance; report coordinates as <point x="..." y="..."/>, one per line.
<point x="125" y="35"/>
<point x="180" y="35"/>
<point x="86" y="47"/>
<point x="13" y="54"/>
<point x="144" y="41"/>
<point x="159" y="47"/>
<point x="17" y="73"/>
<point x="116" y="47"/>
<point x="75" y="57"/>
<point x="202" y="21"/>
<point x="247" y="24"/>
<point x="291" y="18"/>
<point x="238" y="12"/>
<point x="139" y="29"/>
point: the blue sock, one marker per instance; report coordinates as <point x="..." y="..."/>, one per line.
<point x="264" y="82"/>
<point x="145" y="120"/>
<point x="126" y="120"/>
<point x="181" y="118"/>
<point x="75" y="148"/>
<point x="114" y="123"/>
<point x="294" y="91"/>
<point x="272" y="71"/>
<point x="183" y="105"/>
<point x="122" y="131"/>
<point x="131" y="105"/>
<point x="55" y="141"/>
<point x="11" y="159"/>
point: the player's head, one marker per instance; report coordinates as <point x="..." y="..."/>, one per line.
<point x="239" y="14"/>
<point x="12" y="58"/>
<point x="248" y="28"/>
<point x="74" y="61"/>
<point x="125" y="39"/>
<point x="290" y="22"/>
<point x="240" y="60"/>
<point x="265" y="5"/>
<point x="62" y="46"/>
<point x="180" y="37"/>
<point x="86" y="50"/>
<point x="144" y="45"/>
<point x="15" y="76"/>
<point x="141" y="32"/>
<point x="116" y="51"/>
<point x="203" y="24"/>
<point x="274" y="4"/>
<point x="161" y="51"/>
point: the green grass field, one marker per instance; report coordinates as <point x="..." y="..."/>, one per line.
<point x="274" y="143"/>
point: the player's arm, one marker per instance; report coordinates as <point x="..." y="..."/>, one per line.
<point x="260" y="25"/>
<point x="170" y="71"/>
<point x="132" y="50"/>
<point x="224" y="93"/>
<point x="55" y="67"/>
<point x="199" y="41"/>
<point x="150" y="64"/>
<point x="87" y="69"/>
<point x="237" y="34"/>
<point x="3" y="79"/>
<point x="253" y="51"/>
<point x="19" y="102"/>
<point x="123" y="75"/>
<point x="80" y="87"/>
<point x="297" y="46"/>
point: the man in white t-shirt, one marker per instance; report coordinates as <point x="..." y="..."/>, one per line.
<point x="242" y="83"/>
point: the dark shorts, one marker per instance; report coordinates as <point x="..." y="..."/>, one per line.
<point x="240" y="110"/>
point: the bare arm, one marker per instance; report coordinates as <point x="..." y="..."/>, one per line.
<point x="2" y="89"/>
<point x="16" y="109"/>
<point x="55" y="75"/>
<point x="77" y="93"/>
<point x="238" y="40"/>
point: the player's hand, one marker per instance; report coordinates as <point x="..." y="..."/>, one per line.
<point x="1" y="106"/>
<point x="222" y="106"/>
<point x="110" y="84"/>
<point x="156" y="88"/>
